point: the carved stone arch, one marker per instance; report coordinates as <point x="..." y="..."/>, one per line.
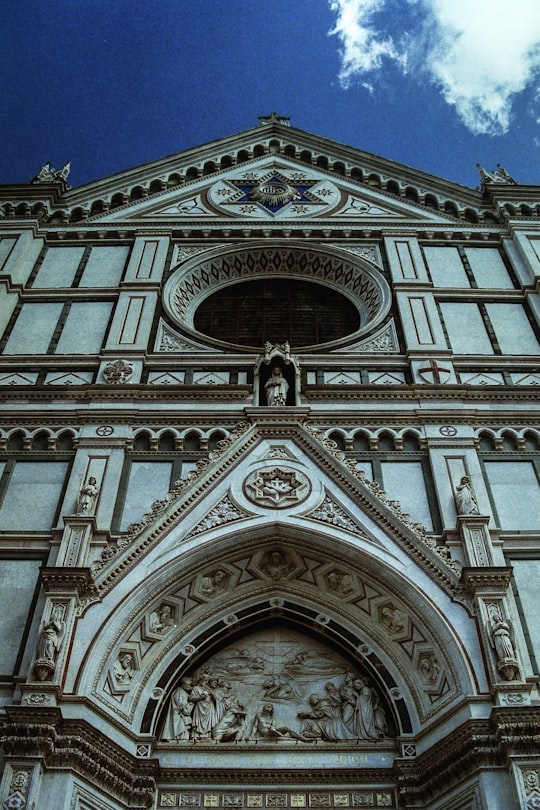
<point x="381" y="620"/>
<point x="285" y="616"/>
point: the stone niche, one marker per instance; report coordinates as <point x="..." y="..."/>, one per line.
<point x="277" y="686"/>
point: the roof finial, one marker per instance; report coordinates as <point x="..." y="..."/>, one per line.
<point x="274" y="118"/>
<point x="498" y="175"/>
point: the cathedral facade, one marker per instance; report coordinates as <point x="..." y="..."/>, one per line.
<point x="269" y="484"/>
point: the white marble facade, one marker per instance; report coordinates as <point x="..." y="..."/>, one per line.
<point x="213" y="596"/>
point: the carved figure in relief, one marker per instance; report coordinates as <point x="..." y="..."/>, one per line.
<point x="275" y="565"/>
<point x="178" y="722"/>
<point x="123" y="668"/>
<point x="465" y="498"/>
<point x="264" y="726"/>
<point x="340" y="583"/>
<point x="231" y="725"/>
<point x="322" y="721"/>
<point x="392" y="618"/>
<point x="364" y="716"/>
<point x="87" y="497"/>
<point x="429" y="667"/>
<point x="276" y="388"/>
<point x="162" y="619"/>
<point x="277" y="687"/>
<point x="203" y="711"/>
<point x="213" y="583"/>
<point x="302" y="693"/>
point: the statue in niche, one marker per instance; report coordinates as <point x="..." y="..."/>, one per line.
<point x="123" y="668"/>
<point x="162" y="619"/>
<point x="87" y="497"/>
<point x="178" y="721"/>
<point x="49" y="641"/>
<point x="213" y="583"/>
<point x="501" y="639"/>
<point x="276" y="388"/>
<point x="465" y="498"/>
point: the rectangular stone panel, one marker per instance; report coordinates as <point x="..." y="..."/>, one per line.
<point x="445" y="267"/>
<point x="148" y="481"/>
<point x="512" y="328"/>
<point x="34" y="328"/>
<point x="511" y="483"/>
<point x="58" y="267"/>
<point x="31" y="498"/>
<point x="19" y="579"/>
<point x="85" y="328"/>
<point x="465" y="327"/>
<point x="488" y="268"/>
<point x="105" y="266"/>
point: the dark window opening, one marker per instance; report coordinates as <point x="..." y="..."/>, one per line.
<point x="276" y="310"/>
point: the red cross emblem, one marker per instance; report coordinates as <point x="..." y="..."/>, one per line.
<point x="434" y="371"/>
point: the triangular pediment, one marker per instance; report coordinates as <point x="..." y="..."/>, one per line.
<point x="272" y="189"/>
<point x="275" y="475"/>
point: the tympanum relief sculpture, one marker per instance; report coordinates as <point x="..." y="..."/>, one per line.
<point x="276" y="685"/>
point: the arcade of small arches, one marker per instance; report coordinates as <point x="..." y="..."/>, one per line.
<point x="165" y="182"/>
<point x="195" y="439"/>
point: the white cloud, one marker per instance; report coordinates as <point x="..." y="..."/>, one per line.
<point x="480" y="53"/>
<point x="363" y="45"/>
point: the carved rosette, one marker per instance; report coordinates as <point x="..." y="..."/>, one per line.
<point x="117" y="372"/>
<point x="277" y="487"/>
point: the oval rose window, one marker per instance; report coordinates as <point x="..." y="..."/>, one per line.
<point x="276" y="309"/>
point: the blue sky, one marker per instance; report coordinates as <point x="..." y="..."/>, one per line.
<point x="109" y="84"/>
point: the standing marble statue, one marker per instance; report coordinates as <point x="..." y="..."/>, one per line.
<point x="49" y="641"/>
<point x="465" y="498"/>
<point x="87" y="497"/>
<point x="276" y="388"/>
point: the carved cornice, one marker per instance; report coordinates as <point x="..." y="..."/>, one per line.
<point x="276" y="777"/>
<point x="44" y="734"/>
<point x="476" y="745"/>
<point x="518" y="731"/>
<point x="489" y="578"/>
<point x="80" y="580"/>
<point x="459" y="756"/>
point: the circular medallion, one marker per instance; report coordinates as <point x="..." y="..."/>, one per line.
<point x="447" y="430"/>
<point x="277" y="487"/>
<point x="104" y="430"/>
